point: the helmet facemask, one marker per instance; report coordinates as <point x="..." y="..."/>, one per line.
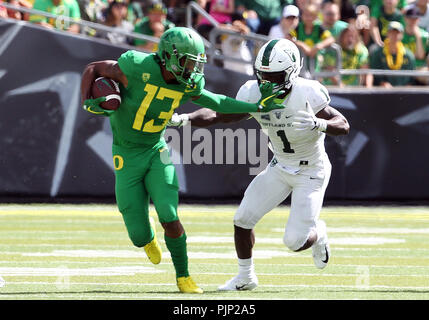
<point x="181" y="51"/>
<point x="281" y="79"/>
<point x="191" y="69"/>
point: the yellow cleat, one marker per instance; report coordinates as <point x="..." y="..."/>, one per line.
<point x="187" y="285"/>
<point x="153" y="250"/>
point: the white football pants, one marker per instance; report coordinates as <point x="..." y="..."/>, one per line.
<point x="272" y="186"/>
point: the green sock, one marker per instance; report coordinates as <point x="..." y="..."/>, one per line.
<point x="179" y="255"/>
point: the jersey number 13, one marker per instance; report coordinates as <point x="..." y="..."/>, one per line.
<point x="155" y="92"/>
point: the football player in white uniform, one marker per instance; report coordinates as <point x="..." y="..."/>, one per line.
<point x="300" y="165"/>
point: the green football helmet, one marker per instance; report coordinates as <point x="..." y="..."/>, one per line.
<point x="181" y="51"/>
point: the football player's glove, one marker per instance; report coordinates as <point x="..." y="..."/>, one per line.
<point x="307" y="120"/>
<point x="93" y="106"/>
<point x="269" y="100"/>
<point x="178" y="120"/>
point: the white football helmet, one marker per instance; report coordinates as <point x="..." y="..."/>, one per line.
<point x="279" y="62"/>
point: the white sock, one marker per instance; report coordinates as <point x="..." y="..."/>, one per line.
<point x="246" y="267"/>
<point x="321" y="232"/>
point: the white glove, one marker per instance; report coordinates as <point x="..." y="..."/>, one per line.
<point x="178" y="120"/>
<point x="307" y="120"/>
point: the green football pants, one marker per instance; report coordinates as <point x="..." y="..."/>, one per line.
<point x="142" y="174"/>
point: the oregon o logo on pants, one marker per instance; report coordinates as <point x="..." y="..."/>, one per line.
<point x="118" y="162"/>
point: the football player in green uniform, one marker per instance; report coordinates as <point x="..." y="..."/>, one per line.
<point x="152" y="86"/>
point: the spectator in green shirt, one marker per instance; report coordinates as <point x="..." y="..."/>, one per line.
<point x="261" y="14"/>
<point x="311" y="37"/>
<point x="68" y="8"/>
<point x="375" y="5"/>
<point x="380" y="20"/>
<point x="416" y="40"/>
<point x="354" y="56"/>
<point x="153" y="25"/>
<point x="393" y="56"/>
<point x="331" y="18"/>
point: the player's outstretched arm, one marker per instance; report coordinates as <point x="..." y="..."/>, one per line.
<point x="205" y="117"/>
<point x="223" y="104"/>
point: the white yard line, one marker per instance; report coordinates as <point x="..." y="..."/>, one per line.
<point x="172" y="284"/>
<point x="61" y="271"/>
<point x="207" y="247"/>
<point x="216" y="239"/>
<point x="64" y="271"/>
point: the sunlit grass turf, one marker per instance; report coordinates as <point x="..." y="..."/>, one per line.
<point x="83" y="252"/>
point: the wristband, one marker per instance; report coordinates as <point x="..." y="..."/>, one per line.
<point x="185" y="119"/>
<point x="322" y="124"/>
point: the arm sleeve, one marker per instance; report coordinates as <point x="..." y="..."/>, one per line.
<point x="223" y="104"/>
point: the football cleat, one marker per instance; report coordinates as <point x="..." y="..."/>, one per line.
<point x="152" y="249"/>
<point x="188" y="285"/>
<point x="321" y="250"/>
<point x="321" y="254"/>
<point x="240" y="283"/>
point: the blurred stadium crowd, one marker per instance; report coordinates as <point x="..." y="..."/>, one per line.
<point x="368" y="34"/>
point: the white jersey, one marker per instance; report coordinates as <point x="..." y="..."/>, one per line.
<point x="291" y="148"/>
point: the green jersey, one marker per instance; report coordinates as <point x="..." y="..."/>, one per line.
<point x="375" y="5"/>
<point x="354" y="59"/>
<point x="318" y="34"/>
<point x="143" y="27"/>
<point x="384" y="19"/>
<point x="68" y="8"/>
<point x="351" y="59"/>
<point x="337" y="28"/>
<point x="409" y="42"/>
<point x="266" y="9"/>
<point x="378" y="60"/>
<point x="148" y="102"/>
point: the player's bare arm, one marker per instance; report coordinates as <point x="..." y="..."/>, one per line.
<point x="205" y="117"/>
<point x="107" y="68"/>
<point x="337" y="124"/>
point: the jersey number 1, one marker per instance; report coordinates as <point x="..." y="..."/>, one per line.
<point x="286" y="144"/>
<point x="152" y="92"/>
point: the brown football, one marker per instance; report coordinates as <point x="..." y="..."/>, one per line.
<point x="105" y="87"/>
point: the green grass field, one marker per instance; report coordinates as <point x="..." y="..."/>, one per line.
<point x="83" y="252"/>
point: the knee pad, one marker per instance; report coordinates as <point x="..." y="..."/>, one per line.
<point x="294" y="240"/>
<point x="139" y="241"/>
<point x="242" y="219"/>
<point x="167" y="211"/>
<point x="139" y="236"/>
